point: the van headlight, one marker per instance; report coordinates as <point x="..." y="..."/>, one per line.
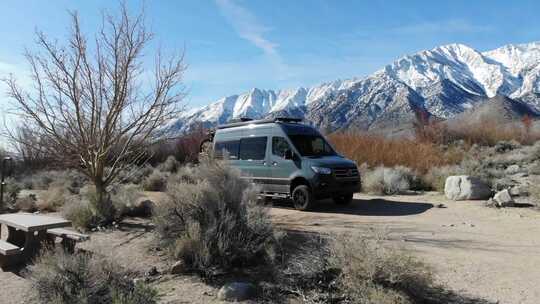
<point x="321" y="170"/>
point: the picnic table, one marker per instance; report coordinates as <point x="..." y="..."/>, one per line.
<point x="28" y="234"/>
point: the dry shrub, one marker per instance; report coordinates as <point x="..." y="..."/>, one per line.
<point x="72" y="180"/>
<point x="388" y="181"/>
<point x="59" y="277"/>
<point x="484" y="133"/>
<point x="156" y="181"/>
<point x="53" y="199"/>
<point x="134" y="174"/>
<point x="184" y="149"/>
<point x="380" y="151"/>
<point x="373" y="272"/>
<point x="363" y="269"/>
<point x="83" y="209"/>
<point x="170" y="165"/>
<point x="212" y="221"/>
<point x="435" y="178"/>
<point x="80" y="213"/>
<point x="27" y="203"/>
<point x="11" y="192"/>
<point x="127" y="201"/>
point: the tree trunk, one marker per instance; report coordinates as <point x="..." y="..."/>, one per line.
<point x="103" y="205"/>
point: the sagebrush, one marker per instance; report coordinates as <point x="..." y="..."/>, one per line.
<point x="358" y="269"/>
<point x="390" y="181"/>
<point x="212" y="220"/>
<point x="62" y="278"/>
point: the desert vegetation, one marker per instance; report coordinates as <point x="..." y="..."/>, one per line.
<point x="59" y="277"/>
<point x="435" y="151"/>
<point x="90" y="150"/>
<point x="88" y="109"/>
<point x="212" y="220"/>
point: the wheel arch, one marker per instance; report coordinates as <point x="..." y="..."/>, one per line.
<point x="299" y="180"/>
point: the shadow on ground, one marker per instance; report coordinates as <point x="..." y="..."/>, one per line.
<point x="371" y="207"/>
<point x="444" y="296"/>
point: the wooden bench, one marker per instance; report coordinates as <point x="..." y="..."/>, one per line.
<point x="8" y="253"/>
<point x="8" y="248"/>
<point x="69" y="237"/>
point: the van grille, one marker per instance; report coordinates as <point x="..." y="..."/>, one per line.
<point x="345" y="172"/>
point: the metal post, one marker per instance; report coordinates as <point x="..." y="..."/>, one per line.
<point x="2" y="177"/>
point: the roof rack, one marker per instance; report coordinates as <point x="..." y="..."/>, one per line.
<point x="249" y="121"/>
<point x="241" y="119"/>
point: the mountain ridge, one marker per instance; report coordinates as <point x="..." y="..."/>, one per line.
<point x="444" y="81"/>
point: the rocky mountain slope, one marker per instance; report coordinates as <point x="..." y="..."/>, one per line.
<point x="444" y="82"/>
<point x="498" y="109"/>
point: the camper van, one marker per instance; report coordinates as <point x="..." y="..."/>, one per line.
<point x="289" y="160"/>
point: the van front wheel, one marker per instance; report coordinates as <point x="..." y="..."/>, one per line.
<point x="343" y="199"/>
<point x="302" y="198"/>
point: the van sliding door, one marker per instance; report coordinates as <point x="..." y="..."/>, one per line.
<point x="253" y="160"/>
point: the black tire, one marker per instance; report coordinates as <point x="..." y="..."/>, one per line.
<point x="345" y="199"/>
<point x="302" y="198"/>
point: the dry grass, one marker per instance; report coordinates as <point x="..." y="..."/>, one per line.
<point x="53" y="199"/>
<point x="357" y="269"/>
<point x="379" y="151"/>
<point x="61" y="278"/>
<point x="373" y="272"/>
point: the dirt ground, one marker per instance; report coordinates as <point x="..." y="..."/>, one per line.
<point x="477" y="251"/>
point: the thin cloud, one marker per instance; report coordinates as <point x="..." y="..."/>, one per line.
<point x="247" y="26"/>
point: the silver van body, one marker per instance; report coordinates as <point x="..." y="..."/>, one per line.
<point x="281" y="154"/>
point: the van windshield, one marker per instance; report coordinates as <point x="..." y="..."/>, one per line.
<point x="312" y="145"/>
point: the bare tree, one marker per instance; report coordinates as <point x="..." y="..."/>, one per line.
<point x="92" y="99"/>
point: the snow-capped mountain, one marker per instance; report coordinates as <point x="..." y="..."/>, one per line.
<point x="444" y="82"/>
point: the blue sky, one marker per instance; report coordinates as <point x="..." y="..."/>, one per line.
<point x="234" y="45"/>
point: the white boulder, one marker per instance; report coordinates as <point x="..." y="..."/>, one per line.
<point x="464" y="187"/>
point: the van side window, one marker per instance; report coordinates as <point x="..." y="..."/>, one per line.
<point x="253" y="148"/>
<point x="279" y="146"/>
<point x="229" y="147"/>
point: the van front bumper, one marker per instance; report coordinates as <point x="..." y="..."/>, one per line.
<point x="329" y="186"/>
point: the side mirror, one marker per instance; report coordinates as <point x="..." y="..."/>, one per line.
<point x="289" y="154"/>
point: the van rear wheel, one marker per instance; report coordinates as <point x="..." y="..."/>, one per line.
<point x="302" y="198"/>
<point x="343" y="199"/>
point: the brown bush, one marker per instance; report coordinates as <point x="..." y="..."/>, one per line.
<point x="184" y="149"/>
<point x="489" y="133"/>
<point x="380" y="151"/>
<point x="483" y="133"/>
